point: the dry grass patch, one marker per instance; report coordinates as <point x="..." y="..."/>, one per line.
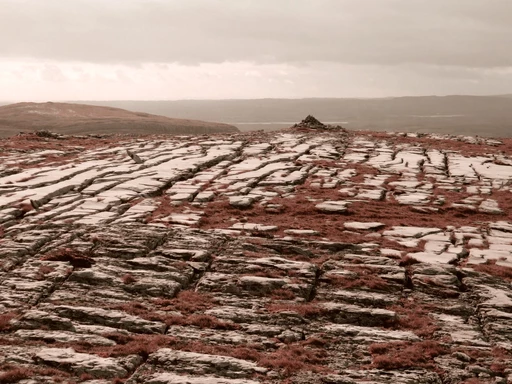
<point x="295" y="358"/>
<point x="75" y="258"/>
<point x="492" y="268"/>
<point x="406" y="355"/>
<point x="5" y="320"/>
<point x="363" y="277"/>
<point x="414" y="317"/>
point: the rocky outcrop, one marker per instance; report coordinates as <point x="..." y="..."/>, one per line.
<point x="289" y="257"/>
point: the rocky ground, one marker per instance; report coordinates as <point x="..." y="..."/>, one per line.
<point x="310" y="255"/>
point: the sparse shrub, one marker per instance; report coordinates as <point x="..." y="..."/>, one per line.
<point x="363" y="277"/>
<point x="128" y="279"/>
<point x="76" y="259"/>
<point x="282" y="294"/>
<point x="201" y="321"/>
<point x="293" y="358"/>
<point x="414" y="317"/>
<point x="309" y="310"/>
<point x="490" y="267"/>
<point x="13" y="374"/>
<point x="186" y="302"/>
<point x="5" y="320"/>
<point x="402" y="355"/>
<point x="407" y="261"/>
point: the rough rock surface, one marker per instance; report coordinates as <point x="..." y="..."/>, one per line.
<point x="309" y="255"/>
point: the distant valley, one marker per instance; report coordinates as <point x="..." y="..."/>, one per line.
<point x="459" y="115"/>
<point x="79" y="119"/>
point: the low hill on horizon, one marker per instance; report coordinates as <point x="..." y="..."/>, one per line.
<point x="489" y="116"/>
<point x="78" y="119"/>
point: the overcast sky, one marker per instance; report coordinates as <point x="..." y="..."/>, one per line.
<point x="200" y="49"/>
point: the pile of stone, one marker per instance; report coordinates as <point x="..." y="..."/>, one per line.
<point x="310" y="122"/>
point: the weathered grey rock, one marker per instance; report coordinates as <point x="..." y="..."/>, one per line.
<point x="199" y="363"/>
<point x="333" y="206"/>
<point x="80" y="363"/>
<point x="171" y="378"/>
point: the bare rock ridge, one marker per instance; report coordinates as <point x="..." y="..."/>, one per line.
<point x="306" y="256"/>
<point x="78" y="119"/>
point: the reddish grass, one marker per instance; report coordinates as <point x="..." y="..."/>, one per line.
<point x="128" y="279"/>
<point x="309" y="310"/>
<point x="294" y="358"/>
<point x="76" y="259"/>
<point x="407" y="261"/>
<point x="282" y="294"/>
<point x="363" y="171"/>
<point x="5" y="319"/>
<point x="43" y="271"/>
<point x="201" y="321"/>
<point x="144" y="345"/>
<point x="13" y="374"/>
<point x="448" y="144"/>
<point x="402" y="355"/>
<point x="501" y="360"/>
<point x="271" y="273"/>
<point x="415" y="317"/>
<point x="364" y="278"/>
<point x="490" y="267"/>
<point x="187" y="302"/>
<point x="164" y="208"/>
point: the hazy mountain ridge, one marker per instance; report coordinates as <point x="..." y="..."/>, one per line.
<point x="66" y="118"/>
<point x="459" y="115"/>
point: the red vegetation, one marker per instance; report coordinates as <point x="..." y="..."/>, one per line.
<point x="363" y="277"/>
<point x="415" y="317"/>
<point x="144" y="345"/>
<point x="43" y="271"/>
<point x="282" y="294"/>
<point x="490" y="267"/>
<point x="407" y="261"/>
<point x="128" y="279"/>
<point x="201" y="321"/>
<point x="186" y="302"/>
<point x="14" y="374"/>
<point x="293" y="358"/>
<point x="5" y="320"/>
<point x="75" y="258"/>
<point x="501" y="360"/>
<point x="402" y="355"/>
<point x="309" y="310"/>
<point x="449" y="144"/>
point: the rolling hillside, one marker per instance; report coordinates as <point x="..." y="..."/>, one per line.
<point x="78" y="119"/>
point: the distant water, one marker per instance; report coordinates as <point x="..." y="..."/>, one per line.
<point x="275" y="125"/>
<point x="438" y="116"/>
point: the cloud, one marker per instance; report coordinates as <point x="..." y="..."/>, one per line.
<point x="30" y="80"/>
<point x="472" y="34"/>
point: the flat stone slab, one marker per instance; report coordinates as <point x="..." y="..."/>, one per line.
<point x="81" y="362"/>
<point x="333" y="206"/>
<point x="172" y="378"/>
<point x="357" y="225"/>
<point x="416" y="232"/>
<point x="254" y="227"/>
<point x="433" y="258"/>
<point x="241" y="201"/>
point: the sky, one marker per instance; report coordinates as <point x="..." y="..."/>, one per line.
<point x="227" y="49"/>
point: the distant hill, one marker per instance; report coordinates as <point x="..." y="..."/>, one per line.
<point x="460" y="115"/>
<point x="79" y="119"/>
